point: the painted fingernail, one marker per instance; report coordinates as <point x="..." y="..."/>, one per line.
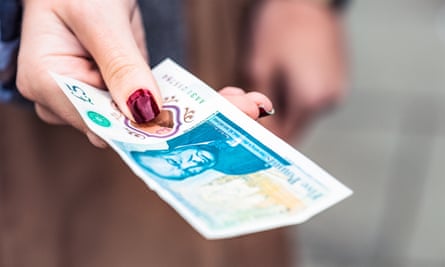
<point x="264" y="112"/>
<point x="142" y="105"/>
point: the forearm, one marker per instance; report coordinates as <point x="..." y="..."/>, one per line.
<point x="334" y="4"/>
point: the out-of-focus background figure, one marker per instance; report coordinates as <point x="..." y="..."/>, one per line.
<point x="387" y="142"/>
<point x="293" y="51"/>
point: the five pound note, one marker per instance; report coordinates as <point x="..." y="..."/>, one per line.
<point x="220" y="170"/>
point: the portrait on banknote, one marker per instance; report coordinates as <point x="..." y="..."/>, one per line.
<point x="201" y="148"/>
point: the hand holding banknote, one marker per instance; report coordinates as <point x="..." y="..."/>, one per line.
<point x="219" y="169"/>
<point x="101" y="43"/>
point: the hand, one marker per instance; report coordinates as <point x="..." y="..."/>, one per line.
<point x="98" y="42"/>
<point x="254" y="104"/>
<point x="297" y="60"/>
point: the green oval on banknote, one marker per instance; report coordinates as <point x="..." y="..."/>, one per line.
<point x="98" y="119"/>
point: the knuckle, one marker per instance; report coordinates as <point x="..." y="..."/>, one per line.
<point x="33" y="84"/>
<point x="44" y="115"/>
<point x="117" y="68"/>
<point x="23" y="85"/>
<point x="83" y="8"/>
<point x="231" y="90"/>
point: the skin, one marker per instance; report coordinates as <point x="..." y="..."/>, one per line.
<point x="102" y="43"/>
<point x="98" y="42"/>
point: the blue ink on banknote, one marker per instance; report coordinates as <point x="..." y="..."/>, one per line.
<point x="216" y="151"/>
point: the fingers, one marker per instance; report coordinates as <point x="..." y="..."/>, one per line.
<point x="231" y="91"/>
<point x="52" y="106"/>
<point x="48" y="116"/>
<point x="96" y="140"/>
<point x="47" y="45"/>
<point x="108" y="34"/>
<point x="254" y="104"/>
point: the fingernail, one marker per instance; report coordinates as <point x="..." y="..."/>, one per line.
<point x="264" y="112"/>
<point x="143" y="106"/>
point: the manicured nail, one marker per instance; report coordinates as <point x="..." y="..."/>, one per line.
<point x="264" y="112"/>
<point x="143" y="106"/>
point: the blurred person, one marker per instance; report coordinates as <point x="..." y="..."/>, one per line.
<point x="100" y="213"/>
<point x="290" y="50"/>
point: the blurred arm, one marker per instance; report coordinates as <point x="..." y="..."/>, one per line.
<point x="296" y="57"/>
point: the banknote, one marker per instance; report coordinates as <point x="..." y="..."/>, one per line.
<point x="220" y="170"/>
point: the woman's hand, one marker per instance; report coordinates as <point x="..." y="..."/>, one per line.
<point x="254" y="104"/>
<point x="101" y="43"/>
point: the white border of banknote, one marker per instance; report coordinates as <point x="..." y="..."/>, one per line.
<point x="216" y="202"/>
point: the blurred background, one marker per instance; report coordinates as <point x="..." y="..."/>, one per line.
<point x="387" y="142"/>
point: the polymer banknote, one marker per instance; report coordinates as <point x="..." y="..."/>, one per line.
<point x="220" y="170"/>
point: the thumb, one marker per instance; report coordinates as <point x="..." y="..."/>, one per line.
<point x="104" y="29"/>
